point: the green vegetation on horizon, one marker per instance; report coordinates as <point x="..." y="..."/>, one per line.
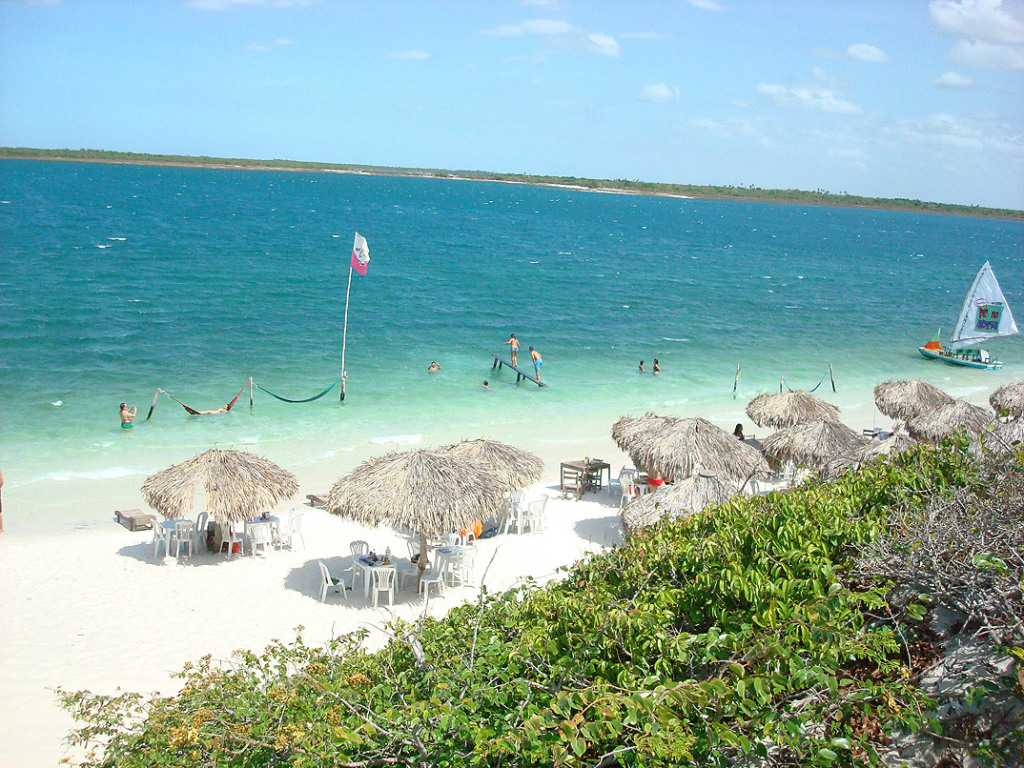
<point x="788" y="630"/>
<point x="817" y="197"/>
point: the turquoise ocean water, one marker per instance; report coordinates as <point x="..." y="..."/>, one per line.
<point x="116" y="280"/>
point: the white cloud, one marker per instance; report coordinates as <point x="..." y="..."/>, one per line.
<point x="975" y="53"/>
<point x="264" y="47"/>
<point x="227" y="5"/>
<point x="954" y="80"/>
<point x="566" y="33"/>
<point x="413" y="55"/>
<point x="866" y="52"/>
<point x="643" y="36"/>
<point x="534" y="27"/>
<point x="942" y="131"/>
<point x="659" y="93"/>
<point x="706" y="5"/>
<point x="991" y="32"/>
<point x="809" y="97"/>
<point x="606" y="45"/>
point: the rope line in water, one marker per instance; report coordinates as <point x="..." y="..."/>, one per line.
<point x="306" y="400"/>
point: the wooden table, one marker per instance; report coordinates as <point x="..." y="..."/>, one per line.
<point x="594" y="468"/>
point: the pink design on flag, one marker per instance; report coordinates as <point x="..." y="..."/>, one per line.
<point x="360" y="254"/>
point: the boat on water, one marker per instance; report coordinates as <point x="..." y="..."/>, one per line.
<point x="984" y="316"/>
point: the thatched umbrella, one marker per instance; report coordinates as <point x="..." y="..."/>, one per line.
<point x="1009" y="399"/>
<point x="784" y="409"/>
<point x="422" y="490"/>
<point x="239" y="485"/>
<point x="907" y="399"/>
<point x="684" y="445"/>
<point x="813" y="443"/>
<point x="517" y="467"/>
<point x="897" y="442"/>
<point x="956" y="416"/>
<point x="629" y="431"/>
<point x="678" y="500"/>
<point x="1006" y="437"/>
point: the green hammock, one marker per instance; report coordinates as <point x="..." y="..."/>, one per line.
<point x="307" y="400"/>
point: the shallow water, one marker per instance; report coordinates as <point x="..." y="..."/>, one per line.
<point x="117" y="280"/>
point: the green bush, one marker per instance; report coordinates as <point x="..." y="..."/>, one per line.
<point x="734" y="632"/>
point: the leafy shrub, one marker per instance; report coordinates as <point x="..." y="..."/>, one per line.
<point x="733" y="635"/>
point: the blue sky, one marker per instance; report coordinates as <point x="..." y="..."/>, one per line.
<point x="887" y="98"/>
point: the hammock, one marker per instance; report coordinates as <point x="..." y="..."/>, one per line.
<point x="306" y="400"/>
<point x="192" y="411"/>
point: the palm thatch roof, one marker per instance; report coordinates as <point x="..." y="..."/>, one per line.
<point x="1009" y="400"/>
<point x="897" y="442"/>
<point x="682" y="446"/>
<point x="630" y="431"/>
<point x="516" y="467"/>
<point x="679" y="500"/>
<point x="903" y="400"/>
<point x="784" y="409"/>
<point x="417" y="490"/>
<point x="239" y="486"/>
<point x="1006" y="437"/>
<point x="813" y="443"/>
<point x="956" y="416"/>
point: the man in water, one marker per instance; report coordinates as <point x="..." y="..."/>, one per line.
<point x="514" y="343"/>
<point x="127" y="414"/>
<point x="536" y="361"/>
<point x="641" y="366"/>
<point x="434" y="367"/>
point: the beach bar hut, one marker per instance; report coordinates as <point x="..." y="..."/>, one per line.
<point x="678" y="448"/>
<point x="1008" y="400"/>
<point x="239" y="486"/>
<point x="682" y="499"/>
<point x="419" y="490"/>
<point x="813" y="443"/>
<point x="784" y="409"/>
<point x="957" y="416"/>
<point x="909" y="398"/>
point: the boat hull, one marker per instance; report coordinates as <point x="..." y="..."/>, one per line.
<point x="946" y="357"/>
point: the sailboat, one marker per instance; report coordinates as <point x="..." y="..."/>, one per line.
<point x="985" y="315"/>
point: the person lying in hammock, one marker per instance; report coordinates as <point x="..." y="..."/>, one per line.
<point x="222" y="409"/>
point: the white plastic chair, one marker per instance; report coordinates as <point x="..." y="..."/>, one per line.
<point x="161" y="538"/>
<point x="535" y="514"/>
<point x="328" y="582"/>
<point x="384" y="581"/>
<point x="449" y="539"/>
<point x="432" y="576"/>
<point x="461" y="568"/>
<point x="183" y="532"/>
<point x="294" y="532"/>
<point x="513" y="511"/>
<point x="359" y="548"/>
<point x="202" y="522"/>
<point x="260" y="535"/>
<point x="230" y="537"/>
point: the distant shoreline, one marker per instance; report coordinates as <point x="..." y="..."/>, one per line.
<point x="619" y="187"/>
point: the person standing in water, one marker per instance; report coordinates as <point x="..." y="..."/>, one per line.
<point x="535" y="355"/>
<point x="127" y="414"/>
<point x="514" y="344"/>
<point x="641" y="366"/>
<point x="657" y="368"/>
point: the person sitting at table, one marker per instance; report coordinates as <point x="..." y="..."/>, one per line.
<point x="655" y="481"/>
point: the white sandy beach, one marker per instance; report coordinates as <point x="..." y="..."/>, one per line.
<point x="92" y="609"/>
<point x="88" y="607"/>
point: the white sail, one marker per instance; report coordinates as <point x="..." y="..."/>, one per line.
<point x="985" y="314"/>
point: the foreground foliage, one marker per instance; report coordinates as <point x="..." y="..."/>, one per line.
<point x="739" y="635"/>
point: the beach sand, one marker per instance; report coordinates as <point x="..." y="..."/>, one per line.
<point x="86" y="606"/>
<point x="92" y="609"/>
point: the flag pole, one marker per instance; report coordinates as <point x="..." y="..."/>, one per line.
<point x="344" y="333"/>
